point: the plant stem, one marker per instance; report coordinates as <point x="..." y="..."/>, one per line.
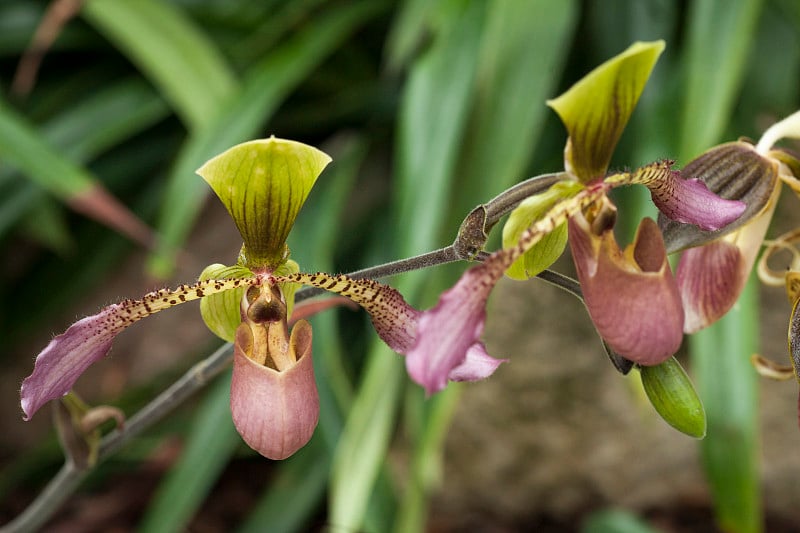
<point x="506" y="201"/>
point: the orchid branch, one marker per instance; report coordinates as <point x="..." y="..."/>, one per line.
<point x="468" y="245"/>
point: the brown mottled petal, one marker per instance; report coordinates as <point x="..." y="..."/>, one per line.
<point x="733" y="171"/>
<point x="632" y="297"/>
<point x="274" y="412"/>
<point x="59" y="365"/>
<point x="794" y="346"/>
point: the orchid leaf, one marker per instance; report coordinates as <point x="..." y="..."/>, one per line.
<point x="264" y="87"/>
<point x="546" y="251"/>
<point x="24" y="148"/>
<point x="174" y="54"/>
<point x="596" y="109"/>
<point x="673" y="396"/>
<point x="211" y="442"/>
<point x="263" y="184"/>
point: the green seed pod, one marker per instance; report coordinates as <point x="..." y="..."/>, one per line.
<point x="673" y="396"/>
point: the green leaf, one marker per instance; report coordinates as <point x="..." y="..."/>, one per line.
<point x="209" y="446"/>
<point x="433" y="121"/>
<point x="729" y="387"/>
<point x="673" y="396"/>
<point x="408" y="34"/>
<point x="24" y="148"/>
<point x="81" y="133"/>
<point x="294" y="493"/>
<point x="596" y="109"/>
<point x="365" y="439"/>
<point x="720" y="35"/>
<point x="550" y="248"/>
<point x="263" y="184"/>
<point x="44" y="221"/>
<point x="512" y="83"/>
<point x="170" y="50"/>
<point x="105" y="118"/>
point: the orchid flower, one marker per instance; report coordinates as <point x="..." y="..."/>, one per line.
<point x="274" y="401"/>
<point x="631" y="295"/>
<point x="715" y="264"/>
<point x="754" y="173"/>
<point x="713" y="270"/>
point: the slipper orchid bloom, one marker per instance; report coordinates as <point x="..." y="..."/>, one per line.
<point x="274" y="400"/>
<point x="714" y="268"/>
<point x="631" y="295"/>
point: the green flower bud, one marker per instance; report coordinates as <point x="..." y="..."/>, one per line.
<point x="673" y="396"/>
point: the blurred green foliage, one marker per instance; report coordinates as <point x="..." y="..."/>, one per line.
<point x="428" y="108"/>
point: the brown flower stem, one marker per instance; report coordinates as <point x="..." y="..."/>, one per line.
<point x="506" y="201"/>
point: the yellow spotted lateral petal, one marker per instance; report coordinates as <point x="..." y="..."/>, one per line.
<point x="62" y="361"/>
<point x="596" y="109"/>
<point x="263" y="184"/>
